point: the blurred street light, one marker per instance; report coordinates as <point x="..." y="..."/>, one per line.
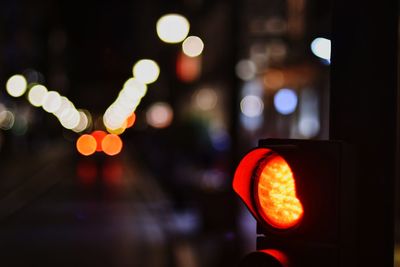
<point x="192" y="46"/>
<point x="16" y="85"/>
<point x="172" y="28"/>
<point x="146" y="71"/>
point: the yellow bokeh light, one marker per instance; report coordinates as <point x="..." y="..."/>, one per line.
<point x="16" y="85"/>
<point x="193" y="46"/>
<point x="116" y="131"/>
<point x="172" y="28"/>
<point x="119" y="130"/>
<point x="146" y="71"/>
<point x="36" y="95"/>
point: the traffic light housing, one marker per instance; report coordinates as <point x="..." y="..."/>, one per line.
<point x="302" y="194"/>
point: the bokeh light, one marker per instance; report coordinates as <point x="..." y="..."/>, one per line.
<point x="84" y="122"/>
<point x="193" y="46"/>
<point x="7" y="120"/>
<point x="285" y="101"/>
<point x="118" y="131"/>
<point x="16" y="85"/>
<point x="112" y="144"/>
<point x="206" y="99"/>
<point x="115" y="116"/>
<point x="309" y="127"/>
<point x="37" y="94"/>
<point x="274" y="79"/>
<point x="159" y="115"/>
<point x="246" y="69"/>
<point x="146" y="71"/>
<point x="52" y="101"/>
<point x="130" y="121"/>
<point x="133" y="89"/>
<point x="172" y="28"/>
<point x="252" y="106"/>
<point x="69" y="118"/>
<point x="67" y="114"/>
<point x="321" y="47"/>
<point x="65" y="104"/>
<point x="188" y="69"/>
<point x="99" y="136"/>
<point x="86" y="144"/>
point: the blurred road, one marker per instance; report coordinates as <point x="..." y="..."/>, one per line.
<point x="99" y="212"/>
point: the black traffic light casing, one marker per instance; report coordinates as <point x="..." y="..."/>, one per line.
<point x="325" y="185"/>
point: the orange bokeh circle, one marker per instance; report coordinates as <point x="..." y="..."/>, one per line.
<point x="130" y="121"/>
<point x="112" y="144"/>
<point x="86" y="144"/>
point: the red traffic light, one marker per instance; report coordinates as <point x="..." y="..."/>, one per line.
<point x="301" y="193"/>
<point x="275" y="193"/>
<point x="265" y="182"/>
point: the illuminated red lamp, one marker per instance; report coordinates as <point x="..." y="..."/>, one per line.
<point x="266" y="184"/>
<point x="302" y="194"/>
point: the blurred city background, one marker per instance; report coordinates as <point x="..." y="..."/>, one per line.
<point x="121" y="123"/>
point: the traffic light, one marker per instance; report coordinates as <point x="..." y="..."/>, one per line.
<point x="302" y="194"/>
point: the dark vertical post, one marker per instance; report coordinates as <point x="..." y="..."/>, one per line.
<point x="234" y="84"/>
<point x="363" y="113"/>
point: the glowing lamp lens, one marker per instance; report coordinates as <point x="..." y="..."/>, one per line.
<point x="275" y="192"/>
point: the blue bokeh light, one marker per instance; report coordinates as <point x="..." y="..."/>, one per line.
<point x="285" y="101"/>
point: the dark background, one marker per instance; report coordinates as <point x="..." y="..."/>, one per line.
<point x="166" y="200"/>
